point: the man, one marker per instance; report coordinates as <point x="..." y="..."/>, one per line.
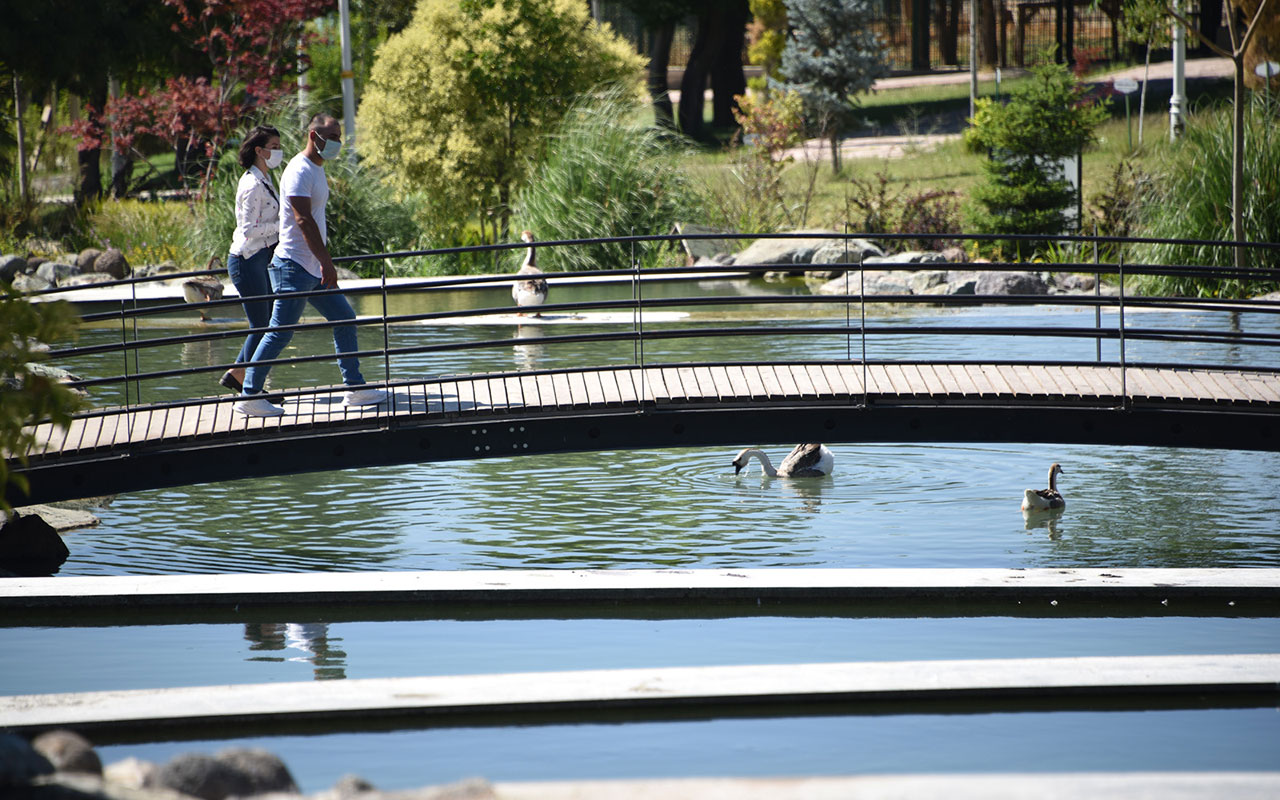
<point x="302" y="264"/>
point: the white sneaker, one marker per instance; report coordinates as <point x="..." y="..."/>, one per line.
<point x="364" y="397"/>
<point x="258" y="407"/>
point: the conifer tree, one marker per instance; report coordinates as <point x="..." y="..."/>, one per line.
<point x="831" y="55"/>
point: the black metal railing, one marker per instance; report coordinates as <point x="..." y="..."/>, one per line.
<point x="847" y="319"/>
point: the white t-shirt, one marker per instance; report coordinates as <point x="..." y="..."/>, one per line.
<point x="302" y="178"/>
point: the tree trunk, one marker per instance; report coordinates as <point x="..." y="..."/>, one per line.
<point x="20" y="133"/>
<point x="947" y="21"/>
<point x="987" y="33"/>
<point x="835" y="153"/>
<point x="659" y="60"/>
<point x="694" y="83"/>
<point x="88" y="162"/>
<point x="727" y="78"/>
<point x="1142" y="98"/>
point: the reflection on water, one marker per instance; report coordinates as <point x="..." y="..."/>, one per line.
<point x="1050" y="521"/>
<point x="300" y="642"/>
<point x="528" y="356"/>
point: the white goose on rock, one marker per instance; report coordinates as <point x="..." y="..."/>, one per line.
<point x="805" y="461"/>
<point x="529" y="291"/>
<point x="1045" y="499"/>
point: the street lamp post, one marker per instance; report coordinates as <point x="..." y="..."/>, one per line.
<point x="348" y="85"/>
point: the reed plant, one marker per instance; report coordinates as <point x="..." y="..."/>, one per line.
<point x="147" y="232"/>
<point x="1192" y="200"/>
<point x="605" y="174"/>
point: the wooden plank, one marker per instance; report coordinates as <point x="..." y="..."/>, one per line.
<point x="998" y="380"/>
<point x="1241" y="384"/>
<point x="785" y="380"/>
<point x="754" y="380"/>
<point x="1140" y="384"/>
<point x="1030" y="380"/>
<point x="696" y="387"/>
<point x="897" y="382"/>
<point x="1157" y="387"/>
<point x="609" y="387"/>
<point x="578" y="388"/>
<point x="804" y="384"/>
<point x="1066" y="386"/>
<point x="1205" y="390"/>
<point x="1266" y="385"/>
<point x="968" y="381"/>
<point x="1177" y="378"/>
<point x="482" y="401"/>
<point x="631" y="390"/>
<point x="1091" y="380"/>
<point x="675" y="385"/>
<point x="845" y="379"/>
<point x="594" y="389"/>
<point x="719" y="376"/>
<point x="656" y="385"/>
<point x="531" y="392"/>
<point x="550" y="392"/>
<point x="1066" y="679"/>
<point x="821" y="386"/>
<point x="772" y="389"/>
<point x="1224" y="391"/>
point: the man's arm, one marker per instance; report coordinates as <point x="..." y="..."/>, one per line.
<point x="301" y="207"/>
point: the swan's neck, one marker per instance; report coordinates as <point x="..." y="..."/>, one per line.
<point x="765" y="463"/>
<point x="1053" y="480"/>
<point x="530" y="260"/>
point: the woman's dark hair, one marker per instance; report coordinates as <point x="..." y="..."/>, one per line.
<point x="254" y="139"/>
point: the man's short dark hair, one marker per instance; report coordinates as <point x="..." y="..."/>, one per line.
<point x="321" y="120"/>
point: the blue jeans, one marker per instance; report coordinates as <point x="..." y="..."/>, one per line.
<point x="249" y="276"/>
<point x="288" y="276"/>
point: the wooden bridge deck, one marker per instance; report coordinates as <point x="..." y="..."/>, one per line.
<point x="727" y="385"/>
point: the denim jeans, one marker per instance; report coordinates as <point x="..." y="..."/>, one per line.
<point x="288" y="276"/>
<point x="249" y="276"/>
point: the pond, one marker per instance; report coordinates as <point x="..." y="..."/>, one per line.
<point x="886" y="505"/>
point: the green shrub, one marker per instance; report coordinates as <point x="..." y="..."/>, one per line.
<point x="146" y="232"/>
<point x="1047" y="119"/>
<point x="1193" y="201"/>
<point x="362" y="215"/>
<point x="600" y="178"/>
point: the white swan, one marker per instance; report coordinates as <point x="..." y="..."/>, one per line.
<point x="531" y="291"/>
<point x="805" y="461"/>
<point x="1045" y="499"/>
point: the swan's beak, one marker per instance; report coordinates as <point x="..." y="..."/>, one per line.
<point x="737" y="467"/>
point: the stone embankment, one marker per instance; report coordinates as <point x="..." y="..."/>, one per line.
<point x="62" y="765"/>
<point x="831" y="266"/>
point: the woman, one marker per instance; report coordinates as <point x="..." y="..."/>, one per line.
<point x="255" y="237"/>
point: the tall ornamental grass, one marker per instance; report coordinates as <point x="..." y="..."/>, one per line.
<point x="605" y="175"/>
<point x="363" y="214"/>
<point x="1192" y="200"/>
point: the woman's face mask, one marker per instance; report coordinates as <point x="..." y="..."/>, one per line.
<point x="274" y="157"/>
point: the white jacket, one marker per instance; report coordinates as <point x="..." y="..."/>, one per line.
<point x="257" y="214"/>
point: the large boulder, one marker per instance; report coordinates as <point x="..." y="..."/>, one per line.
<point x="84" y="279"/>
<point x="87" y="258"/>
<point x="235" y="772"/>
<point x="131" y="773"/>
<point x="31" y="547"/>
<point x="908" y="257"/>
<point x="846" y="251"/>
<point x="19" y="762"/>
<point x="30" y="283"/>
<point x="56" y="272"/>
<point x="1011" y="283"/>
<point x="12" y="265"/>
<point x="781" y="251"/>
<point x="263" y="770"/>
<point x="68" y="751"/>
<point x="921" y="282"/>
<point x="112" y="262"/>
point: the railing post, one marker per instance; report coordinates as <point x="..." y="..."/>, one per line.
<point x="386" y="339"/>
<point x="848" y="338"/>
<point x="862" y="299"/>
<point x="1124" y="389"/>
<point x="1097" y="294"/>
<point x="637" y="319"/>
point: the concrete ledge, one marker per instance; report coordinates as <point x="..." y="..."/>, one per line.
<point x="1013" y="786"/>
<point x="475" y="589"/>
<point x="449" y="699"/>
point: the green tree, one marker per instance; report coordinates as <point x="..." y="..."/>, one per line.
<point x="1049" y="118"/>
<point x="459" y="102"/>
<point x="831" y="55"/>
<point x="27" y="394"/>
<point x="767" y="37"/>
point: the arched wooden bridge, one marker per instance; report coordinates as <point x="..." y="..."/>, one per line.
<point x="935" y="398"/>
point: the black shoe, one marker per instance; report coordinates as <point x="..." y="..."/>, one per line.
<point x="229" y="380"/>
